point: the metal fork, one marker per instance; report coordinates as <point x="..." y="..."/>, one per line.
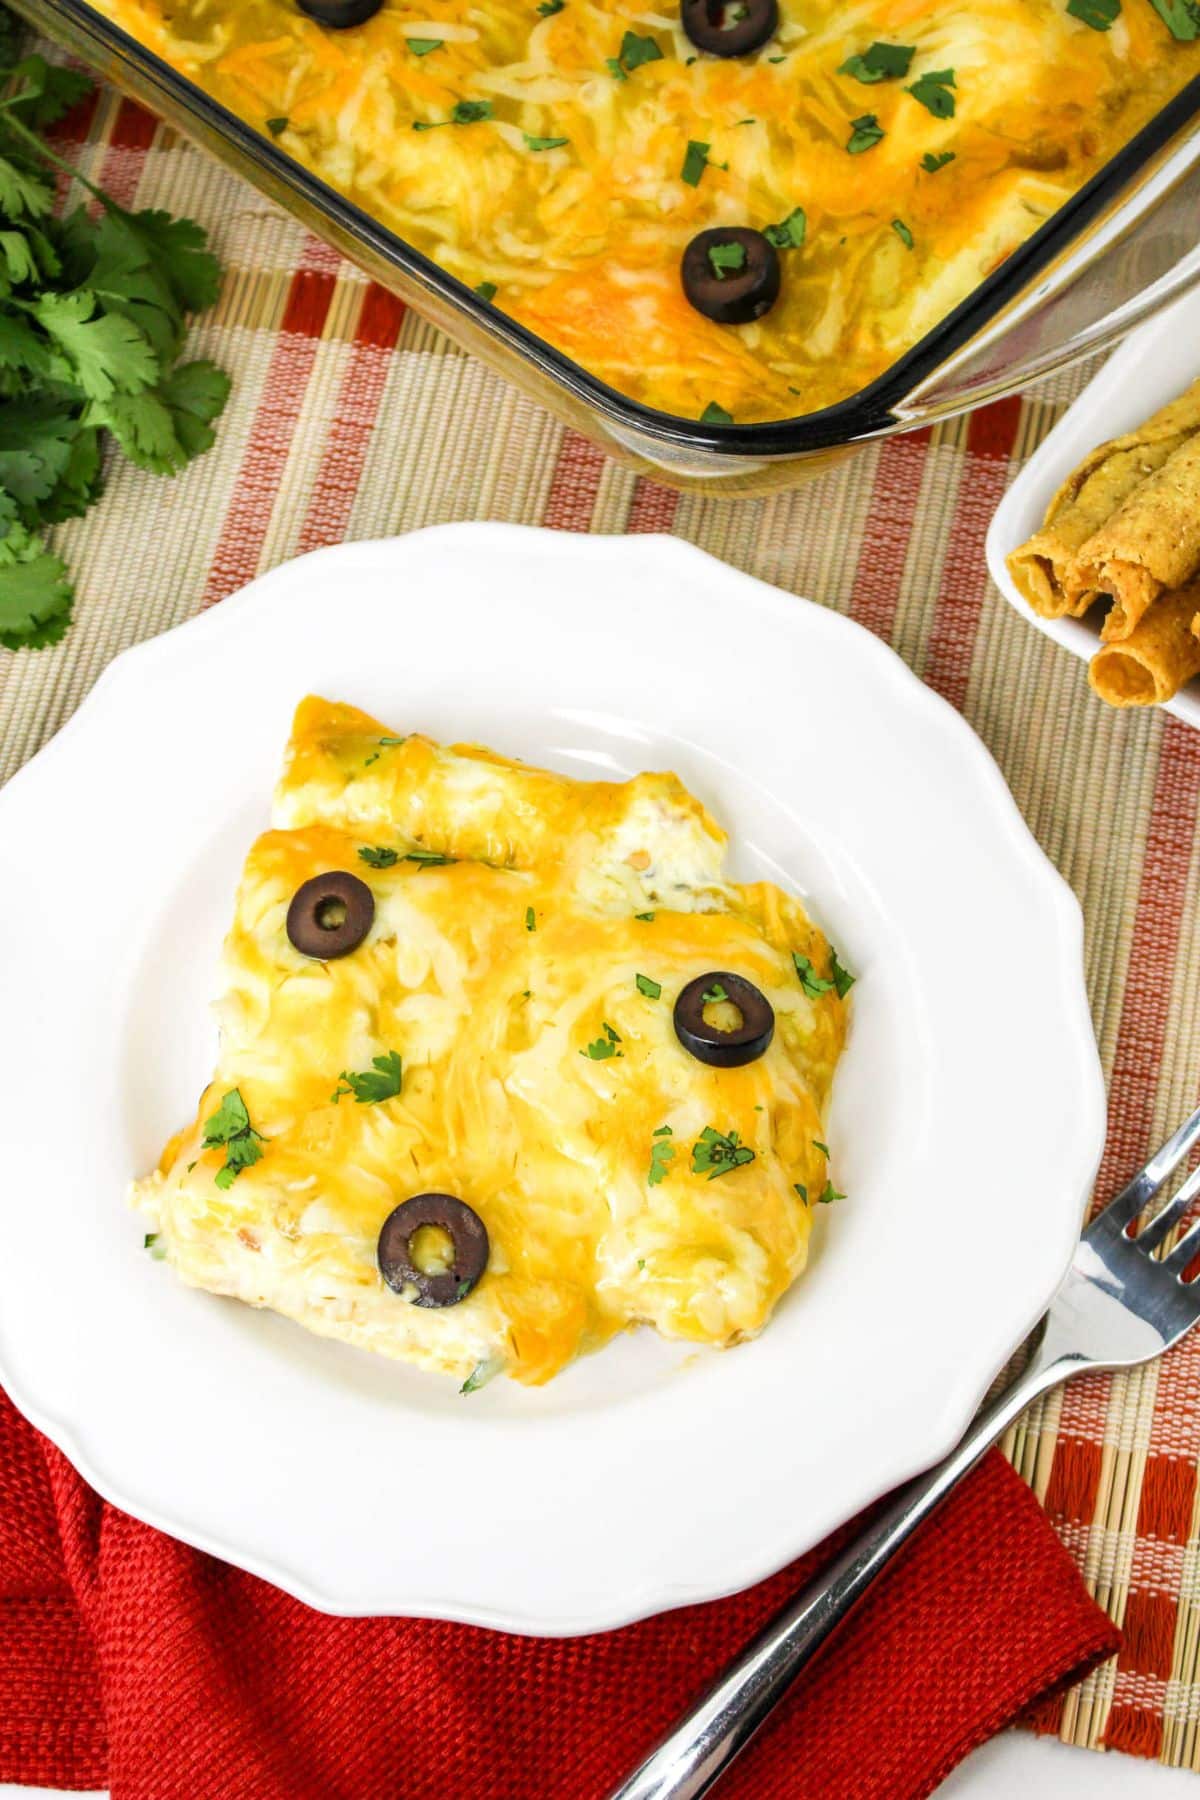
<point x="1120" y="1305"/>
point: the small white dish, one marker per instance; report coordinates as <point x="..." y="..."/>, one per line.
<point x="1152" y="366"/>
<point x="967" y="1123"/>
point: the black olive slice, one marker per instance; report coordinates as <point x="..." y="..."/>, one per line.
<point x="729" y="27"/>
<point x="330" y="915"/>
<point x="708" y="1044"/>
<point x="731" y="274"/>
<point x="340" y="13"/>
<point x="399" y="1265"/>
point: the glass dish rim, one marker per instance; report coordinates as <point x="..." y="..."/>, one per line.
<point x="869" y="412"/>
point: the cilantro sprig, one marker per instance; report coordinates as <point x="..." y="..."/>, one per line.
<point x="93" y="315"/>
<point x="719" y="1152"/>
<point x="229" y="1128"/>
<point x="369" y="1086"/>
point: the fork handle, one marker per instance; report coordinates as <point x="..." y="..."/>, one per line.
<point x="697" y="1751"/>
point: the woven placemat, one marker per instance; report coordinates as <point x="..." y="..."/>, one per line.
<point x="352" y="418"/>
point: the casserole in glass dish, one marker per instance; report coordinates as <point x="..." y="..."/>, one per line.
<point x="724" y="238"/>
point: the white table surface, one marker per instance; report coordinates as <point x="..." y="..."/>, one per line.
<point x="1014" y="1763"/>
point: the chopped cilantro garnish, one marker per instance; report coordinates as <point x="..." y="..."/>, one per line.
<point x="790" y="232"/>
<point x="481" y="1374"/>
<point x="646" y="918"/>
<point x="662" y="1155"/>
<point x="229" y="1127"/>
<point x="600" y="1049"/>
<point x="429" y="859"/>
<point x="933" y="90"/>
<point x="1181" y="18"/>
<point x="715" y="415"/>
<point x="882" y="62"/>
<point x="614" y="68"/>
<point x="903" y="233"/>
<point x="380" y="1082"/>
<point x="1101" y="15"/>
<point x="717" y="1152"/>
<point x="865" y="133"/>
<point x="637" y="50"/>
<point x="714" y="995"/>
<point x="545" y="143"/>
<point x="651" y="989"/>
<point x="931" y="163"/>
<point x="548" y="8"/>
<point x="464" y="112"/>
<point x="843" y="980"/>
<point x="486" y="290"/>
<point x="641" y="1262"/>
<point x="813" y="984"/>
<point x="275" y="126"/>
<point x="776" y="59"/>
<point x="726" y="259"/>
<point x="798" y="1187"/>
<point x="424" y="46"/>
<point x="384" y="743"/>
<point x="828" y="1195"/>
<point x="530" y="919"/>
<point x="378" y="856"/>
<point x="695" y="162"/>
<point x="150" y="1242"/>
<point x="823" y="1148"/>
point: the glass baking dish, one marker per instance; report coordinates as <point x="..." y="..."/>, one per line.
<point x="1117" y="252"/>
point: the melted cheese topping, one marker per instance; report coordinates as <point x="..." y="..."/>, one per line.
<point x="583" y="241"/>
<point x="491" y="976"/>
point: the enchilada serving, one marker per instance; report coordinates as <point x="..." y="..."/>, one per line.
<point x="736" y="212"/>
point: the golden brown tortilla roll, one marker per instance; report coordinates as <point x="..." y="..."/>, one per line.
<point x="1150" y="544"/>
<point x="1158" y="656"/>
<point x="1042" y="568"/>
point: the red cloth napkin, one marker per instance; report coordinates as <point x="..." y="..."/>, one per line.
<point x="129" y="1661"/>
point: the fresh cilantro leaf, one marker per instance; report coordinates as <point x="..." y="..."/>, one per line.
<point x="600" y="1049"/>
<point x="903" y="233"/>
<point x="1181" y="18"/>
<point x="637" y="50"/>
<point x="429" y="859"/>
<point x="717" y="1153"/>
<point x="464" y="112"/>
<point x="843" y="980"/>
<point x="882" y="62"/>
<point x="230" y="1127"/>
<point x="789" y="234"/>
<point x="44" y="92"/>
<point x="865" y="133"/>
<point x="1101" y="15"/>
<point x="425" y="46"/>
<point x="662" y="1155"/>
<point x="369" y="1086"/>
<point x="107" y="354"/>
<point x="178" y="249"/>
<point x="278" y="126"/>
<point x="798" y="1187"/>
<point x="931" y="163"/>
<point x="645" y="918"/>
<point x="663" y="1131"/>
<point x="486" y="290"/>
<point x="651" y="989"/>
<point x="715" y="994"/>
<point x="379" y="856"/>
<point x="715" y="415"/>
<point x="813" y="984"/>
<point x="24" y="193"/>
<point x="545" y="143"/>
<point x="695" y="162"/>
<point x="828" y="1195"/>
<point x="614" y="1037"/>
<point x="530" y="919"/>
<point x="162" y="430"/>
<point x="933" y="90"/>
<point x="726" y="259"/>
<point x="35" y="599"/>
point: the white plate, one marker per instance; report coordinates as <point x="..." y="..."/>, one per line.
<point x="966" y="1128"/>
<point x="1152" y="366"/>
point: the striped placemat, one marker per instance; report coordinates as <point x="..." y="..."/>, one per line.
<point x="352" y="418"/>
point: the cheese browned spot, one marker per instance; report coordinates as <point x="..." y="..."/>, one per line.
<point x="583" y="241"/>
<point x="528" y="1073"/>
